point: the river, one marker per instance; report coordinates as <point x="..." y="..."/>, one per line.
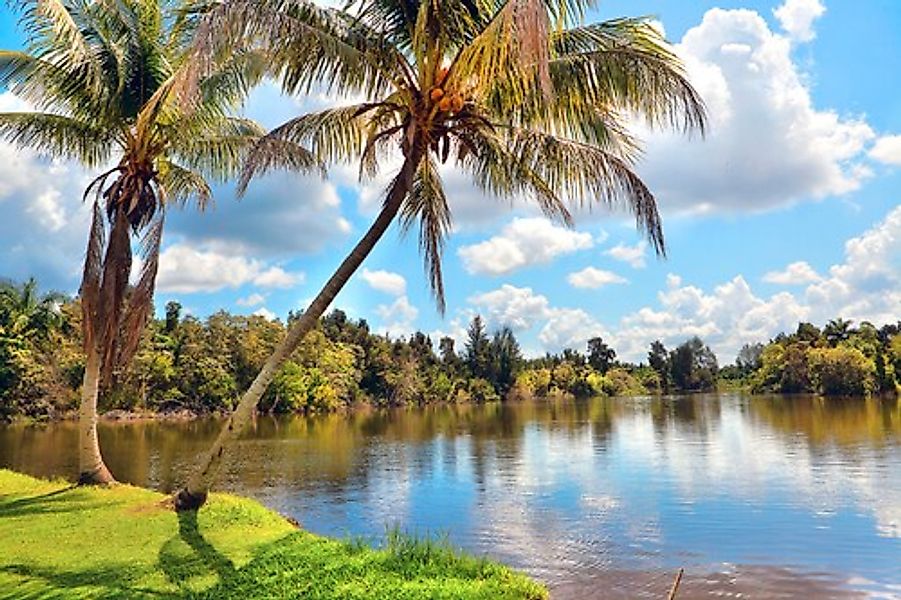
<point x="756" y="497"/>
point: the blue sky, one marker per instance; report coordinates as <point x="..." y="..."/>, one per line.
<point x="788" y="210"/>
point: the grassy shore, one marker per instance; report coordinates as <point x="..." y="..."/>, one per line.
<point x="59" y="541"/>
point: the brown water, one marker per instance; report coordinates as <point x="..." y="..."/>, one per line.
<point x="763" y="497"/>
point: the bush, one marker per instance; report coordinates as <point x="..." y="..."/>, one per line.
<point x="842" y="371"/>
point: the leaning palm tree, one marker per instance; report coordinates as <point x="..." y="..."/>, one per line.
<point x="519" y="94"/>
<point x="105" y="77"/>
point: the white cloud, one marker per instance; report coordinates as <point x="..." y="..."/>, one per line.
<point x="865" y="286"/>
<point x="797" y="17"/>
<point x="797" y="273"/>
<point x="634" y="256"/>
<point x="276" y="277"/>
<point x="569" y="328"/>
<point x="43" y="221"/>
<point x="251" y="300"/>
<point x="522" y="243"/>
<point x="385" y="281"/>
<point x="265" y="313"/>
<point x="768" y="145"/>
<point x="397" y="317"/>
<point x="520" y="308"/>
<point x="593" y="278"/>
<point x="283" y="215"/>
<point x="887" y="149"/>
<point x="187" y="269"/>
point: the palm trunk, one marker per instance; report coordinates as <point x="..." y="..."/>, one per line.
<point x="194" y="494"/>
<point x="91" y="468"/>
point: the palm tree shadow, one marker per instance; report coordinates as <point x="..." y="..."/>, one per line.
<point x="189" y="555"/>
<point x="43" y="503"/>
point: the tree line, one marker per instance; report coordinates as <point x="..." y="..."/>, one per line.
<point x="183" y="363"/>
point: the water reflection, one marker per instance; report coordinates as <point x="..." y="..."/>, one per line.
<point x="763" y="497"/>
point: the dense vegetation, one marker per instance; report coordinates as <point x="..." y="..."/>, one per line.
<point x="202" y="365"/>
<point x="234" y="548"/>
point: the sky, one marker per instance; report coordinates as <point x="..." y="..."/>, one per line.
<point x="787" y="210"/>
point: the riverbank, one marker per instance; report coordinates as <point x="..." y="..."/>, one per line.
<point x="65" y="542"/>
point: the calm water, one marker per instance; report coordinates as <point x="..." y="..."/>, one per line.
<point x="756" y="498"/>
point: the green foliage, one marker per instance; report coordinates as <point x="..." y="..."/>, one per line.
<point x="233" y="548"/>
<point x="842" y="371"/>
<point x="693" y="366"/>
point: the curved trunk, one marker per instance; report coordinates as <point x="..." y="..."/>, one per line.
<point x="194" y="494"/>
<point x="91" y="468"/>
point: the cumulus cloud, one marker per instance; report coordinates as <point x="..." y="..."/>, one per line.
<point x="282" y="215"/>
<point x="522" y="243"/>
<point x="593" y="278"/>
<point x="865" y="286"/>
<point x="569" y="328"/>
<point x="797" y="17"/>
<point x="265" y="313"/>
<point x="797" y="273"/>
<point x="887" y="149"/>
<point x="522" y="309"/>
<point x="385" y="281"/>
<point x="43" y="221"/>
<point x="634" y="256"/>
<point x="251" y="300"/>
<point x="188" y="269"/>
<point x="397" y="317"/>
<point x="768" y="145"/>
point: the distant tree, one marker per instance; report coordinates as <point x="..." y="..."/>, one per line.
<point x="173" y="315"/>
<point x="505" y="360"/>
<point x="749" y="358"/>
<point x="807" y="332"/>
<point x="693" y="366"/>
<point x="25" y="312"/>
<point x="477" y="348"/>
<point x="658" y="359"/>
<point x="600" y="355"/>
<point x="837" y="331"/>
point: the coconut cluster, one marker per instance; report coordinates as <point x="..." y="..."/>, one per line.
<point x="448" y="100"/>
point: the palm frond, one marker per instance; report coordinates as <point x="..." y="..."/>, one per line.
<point x="180" y="185"/>
<point x="91" y="280"/>
<point x="427" y="205"/>
<point x="587" y="175"/>
<point x="139" y="304"/>
<point x="627" y="64"/>
<point x="271" y="154"/>
<point x="216" y="146"/>
<point x="57" y="136"/>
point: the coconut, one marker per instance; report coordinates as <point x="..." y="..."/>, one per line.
<point x="436" y="94"/>
<point x="445" y="104"/>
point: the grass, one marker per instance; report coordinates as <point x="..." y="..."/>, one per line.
<point x="59" y="541"/>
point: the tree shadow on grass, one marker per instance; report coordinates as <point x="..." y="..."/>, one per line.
<point x="51" y="502"/>
<point x="116" y="581"/>
<point x="188" y="556"/>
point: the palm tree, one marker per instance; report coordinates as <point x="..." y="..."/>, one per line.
<point x="837" y="331"/>
<point x="521" y="96"/>
<point x="106" y="79"/>
<point x="26" y="313"/>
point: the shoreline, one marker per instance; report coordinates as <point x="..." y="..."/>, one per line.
<point x="234" y="547"/>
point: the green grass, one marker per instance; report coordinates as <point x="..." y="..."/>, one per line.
<point x="59" y="541"/>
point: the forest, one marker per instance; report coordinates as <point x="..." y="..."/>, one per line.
<point x="185" y="364"/>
